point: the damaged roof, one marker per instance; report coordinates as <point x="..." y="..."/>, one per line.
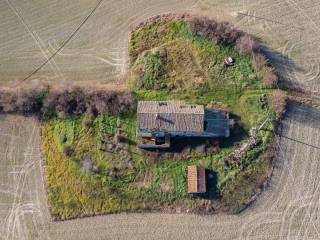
<point x="171" y="116"/>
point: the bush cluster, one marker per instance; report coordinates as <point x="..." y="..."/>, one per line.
<point x="226" y="33"/>
<point x="67" y="102"/>
<point x="268" y="74"/>
<point x="247" y="44"/>
<point x="150" y="70"/>
<point x="219" y="32"/>
<point x="24" y="102"/>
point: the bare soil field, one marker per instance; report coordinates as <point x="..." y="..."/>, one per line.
<point x="23" y="211"/>
<point x="81" y="41"/>
<point x="288" y="209"/>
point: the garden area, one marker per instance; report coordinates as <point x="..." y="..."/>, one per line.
<point x="92" y="164"/>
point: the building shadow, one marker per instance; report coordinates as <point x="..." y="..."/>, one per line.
<point x="237" y="133"/>
<point x="212" y="189"/>
<point x="212" y="192"/>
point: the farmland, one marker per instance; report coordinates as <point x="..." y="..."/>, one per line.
<point x="288" y="209"/>
<point x="33" y="40"/>
<point x="22" y="210"/>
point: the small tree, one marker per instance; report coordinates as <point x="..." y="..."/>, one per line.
<point x="269" y="77"/>
<point x="247" y="44"/>
<point x="220" y="32"/>
<point x="259" y="61"/>
<point x="277" y="102"/>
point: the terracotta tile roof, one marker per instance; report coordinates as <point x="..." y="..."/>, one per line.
<point x="196" y="179"/>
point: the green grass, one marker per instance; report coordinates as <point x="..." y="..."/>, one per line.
<point x="191" y="62"/>
<point x="169" y="63"/>
<point x="72" y="192"/>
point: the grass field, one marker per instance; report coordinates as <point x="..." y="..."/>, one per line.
<point x="187" y="61"/>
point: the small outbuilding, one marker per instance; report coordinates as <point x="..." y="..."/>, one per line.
<point x="196" y="179"/>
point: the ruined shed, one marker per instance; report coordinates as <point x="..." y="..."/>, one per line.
<point x="162" y="120"/>
<point x="196" y="179"/>
<point x="170" y="116"/>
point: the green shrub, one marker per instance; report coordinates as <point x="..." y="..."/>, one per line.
<point x="149" y="71"/>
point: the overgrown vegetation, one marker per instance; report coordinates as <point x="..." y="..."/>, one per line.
<point x="190" y="61"/>
<point x="69" y="102"/>
<point x="150" y="70"/>
<point x="277" y="102"/>
<point x="238" y="191"/>
<point x="92" y="163"/>
<point x="90" y="171"/>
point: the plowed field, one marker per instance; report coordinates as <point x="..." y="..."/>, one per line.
<point x="34" y="31"/>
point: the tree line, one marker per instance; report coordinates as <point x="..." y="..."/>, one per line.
<point x="47" y="103"/>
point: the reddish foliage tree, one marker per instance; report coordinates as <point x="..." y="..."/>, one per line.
<point x="277" y="102"/>
<point x="269" y="77"/>
<point x="247" y="44"/>
<point x="68" y="102"/>
<point x="259" y="61"/>
<point x="220" y="32"/>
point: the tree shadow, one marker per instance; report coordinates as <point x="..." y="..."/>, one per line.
<point x="284" y="67"/>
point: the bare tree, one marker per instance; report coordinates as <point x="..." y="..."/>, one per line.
<point x="247" y="44"/>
